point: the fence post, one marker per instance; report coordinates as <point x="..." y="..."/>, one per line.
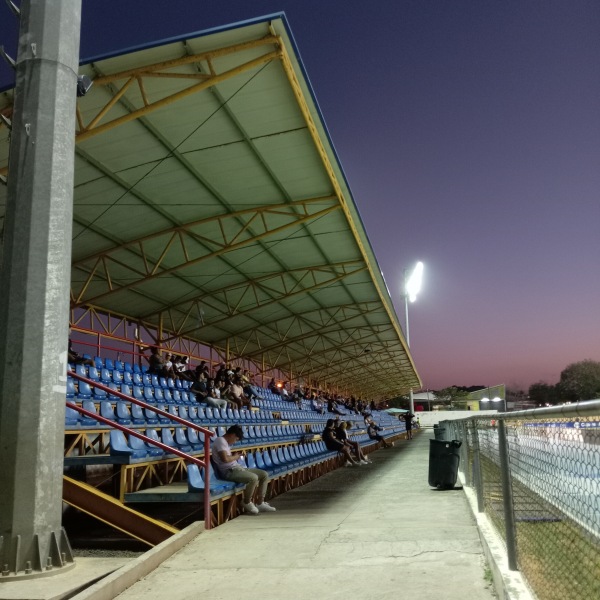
<point x="477" y="478"/>
<point x="507" y="497"/>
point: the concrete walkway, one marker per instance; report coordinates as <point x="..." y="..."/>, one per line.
<point x="377" y="531"/>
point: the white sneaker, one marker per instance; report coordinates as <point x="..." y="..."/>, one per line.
<point x="265" y="507"/>
<point x="250" y="508"/>
<point x="348" y="464"/>
<point x="364" y="462"/>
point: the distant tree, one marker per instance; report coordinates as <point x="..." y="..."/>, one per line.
<point x="542" y="393"/>
<point x="580" y="381"/>
<point x="452" y="396"/>
<point x="399" y="402"/>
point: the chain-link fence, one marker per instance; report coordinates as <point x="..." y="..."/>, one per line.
<point x="537" y="477"/>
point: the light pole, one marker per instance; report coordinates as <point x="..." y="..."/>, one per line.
<point x="412" y="286"/>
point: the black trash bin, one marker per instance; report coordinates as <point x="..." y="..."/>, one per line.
<point x="443" y="463"/>
<point x="439" y="432"/>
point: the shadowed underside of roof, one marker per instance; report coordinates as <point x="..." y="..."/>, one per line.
<point x="209" y="199"/>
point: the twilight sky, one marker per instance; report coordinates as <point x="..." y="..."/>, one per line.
<point x="469" y="131"/>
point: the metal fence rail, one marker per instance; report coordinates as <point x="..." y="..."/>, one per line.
<point x="537" y="477"/>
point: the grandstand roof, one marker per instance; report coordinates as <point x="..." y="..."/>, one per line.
<point x="209" y="199"/>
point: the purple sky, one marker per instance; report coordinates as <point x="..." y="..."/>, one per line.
<point x="469" y="132"/>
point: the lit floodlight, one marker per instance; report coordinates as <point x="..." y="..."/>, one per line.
<point x="496" y="399"/>
<point x="484" y="400"/>
<point x="413" y="285"/>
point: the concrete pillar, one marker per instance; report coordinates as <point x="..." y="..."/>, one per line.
<point x="35" y="269"/>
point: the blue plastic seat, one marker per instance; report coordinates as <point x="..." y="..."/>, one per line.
<point x="136" y="368"/>
<point x="162" y="381"/>
<point x="123" y="413"/>
<point x="149" y="394"/>
<point x="147" y="379"/>
<point x="109" y="364"/>
<point x="194" y="440"/>
<point x="181" y="440"/>
<point x="93" y="374"/>
<point x="167" y="438"/>
<point x="137" y="379"/>
<point x="153" y="380"/>
<point x="151" y="416"/>
<point x="158" y="394"/>
<point x="107" y="411"/>
<point x="176" y="396"/>
<point x="137" y="415"/>
<point x="162" y="418"/>
<point x="71" y="391"/>
<point x="193" y="414"/>
<point x="97" y="361"/>
<point x="167" y="396"/>
<point x="127" y="367"/>
<point x="183" y="412"/>
<point x="153" y="450"/>
<point x="117" y="376"/>
<point x="119" y="366"/>
<point x="115" y="388"/>
<point x="81" y="370"/>
<point x="195" y="481"/>
<point x="99" y="394"/>
<point x="84" y="419"/>
<point x="71" y="417"/>
<point x="119" y="446"/>
<point x="127" y="377"/>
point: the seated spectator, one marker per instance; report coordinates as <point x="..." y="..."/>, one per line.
<point x="335" y="445"/>
<point x="202" y="368"/>
<point x="181" y="368"/>
<point x="235" y="393"/>
<point x="76" y="359"/>
<point x="342" y="435"/>
<point x="221" y="374"/>
<point x="156" y="363"/>
<point x="332" y="407"/>
<point x="317" y="405"/>
<point x="373" y="432"/>
<point x="250" y="388"/>
<point x="274" y="388"/>
<point x="229" y="469"/>
<point x="201" y="391"/>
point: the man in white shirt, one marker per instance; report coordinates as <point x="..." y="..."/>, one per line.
<point x="229" y="467"/>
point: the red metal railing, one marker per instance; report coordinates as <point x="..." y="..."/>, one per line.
<point x="207" y="434"/>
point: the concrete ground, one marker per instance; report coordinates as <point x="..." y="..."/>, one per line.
<point x="377" y="531"/>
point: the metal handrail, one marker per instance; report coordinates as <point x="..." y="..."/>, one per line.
<point x="207" y="434"/>
<point x="577" y="409"/>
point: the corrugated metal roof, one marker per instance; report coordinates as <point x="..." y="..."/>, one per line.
<point x="208" y="192"/>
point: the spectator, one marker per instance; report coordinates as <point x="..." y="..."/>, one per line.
<point x="235" y="393"/>
<point x="156" y="363"/>
<point x="373" y="432"/>
<point x="249" y="388"/>
<point x="342" y="435"/>
<point x="76" y="359"/>
<point x="273" y="387"/>
<point x="229" y="467"/>
<point x="335" y="445"/>
<point x="201" y="391"/>
<point x="408" y="419"/>
<point x="221" y="374"/>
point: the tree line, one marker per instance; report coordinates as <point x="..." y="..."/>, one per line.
<point x="578" y="381"/>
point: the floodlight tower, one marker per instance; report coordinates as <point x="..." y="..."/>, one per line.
<point x="412" y="286"/>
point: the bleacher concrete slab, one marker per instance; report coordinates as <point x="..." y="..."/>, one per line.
<point x="111" y="586"/>
<point x="62" y="585"/>
<point x="376" y="531"/>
